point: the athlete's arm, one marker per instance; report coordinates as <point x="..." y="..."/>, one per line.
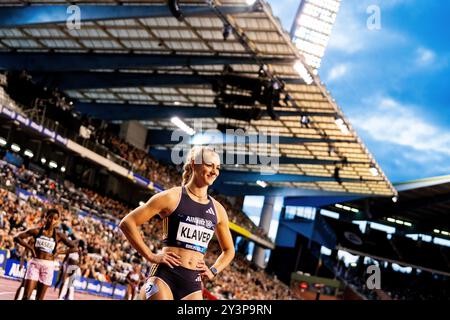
<point x="21" y="236"/>
<point x="66" y="257"/>
<point x="63" y="238"/>
<point x="60" y="252"/>
<point x="161" y="203"/>
<point x="65" y="252"/>
<point x="22" y="258"/>
<point x="223" y="235"/>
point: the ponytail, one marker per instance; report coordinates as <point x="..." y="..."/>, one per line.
<point x="187" y="173"/>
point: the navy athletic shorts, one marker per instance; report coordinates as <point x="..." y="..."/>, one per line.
<point x="181" y="281"/>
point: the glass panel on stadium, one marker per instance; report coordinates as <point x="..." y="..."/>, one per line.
<point x="442" y="242"/>
<point x="302" y="212"/>
<point x="330" y="214"/>
<point x="382" y="227"/>
<point x="362" y="225"/>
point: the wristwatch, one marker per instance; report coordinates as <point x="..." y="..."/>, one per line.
<point x="214" y="271"/>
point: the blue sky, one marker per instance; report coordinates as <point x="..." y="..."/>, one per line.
<point x="392" y="84"/>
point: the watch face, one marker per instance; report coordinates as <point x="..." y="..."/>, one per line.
<point x="213" y="270"/>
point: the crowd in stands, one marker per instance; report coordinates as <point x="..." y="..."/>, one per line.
<point x="109" y="257"/>
<point x="141" y="162"/>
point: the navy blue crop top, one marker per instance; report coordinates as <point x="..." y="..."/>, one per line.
<point x="192" y="224"/>
<point x="45" y="244"/>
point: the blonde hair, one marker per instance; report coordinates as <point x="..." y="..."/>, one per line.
<point x="196" y="153"/>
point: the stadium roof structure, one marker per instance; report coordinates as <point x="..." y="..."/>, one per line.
<point x="148" y="61"/>
<point x="425" y="204"/>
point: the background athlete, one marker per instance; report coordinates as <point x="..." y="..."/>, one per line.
<point x="133" y="280"/>
<point x="41" y="267"/>
<point x="24" y="258"/>
<point x="71" y="269"/>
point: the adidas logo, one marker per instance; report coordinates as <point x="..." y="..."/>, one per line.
<point x="210" y="211"/>
<point x="198" y="279"/>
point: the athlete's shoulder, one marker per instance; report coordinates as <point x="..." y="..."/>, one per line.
<point x="219" y="206"/>
<point x="33" y="230"/>
<point x="173" y="192"/>
<point x="28" y="232"/>
<point x="167" y="200"/>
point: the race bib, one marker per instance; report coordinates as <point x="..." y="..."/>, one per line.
<point x="45" y="245"/>
<point x="193" y="234"/>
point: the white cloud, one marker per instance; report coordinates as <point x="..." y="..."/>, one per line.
<point x="390" y="121"/>
<point x="347" y="34"/>
<point x="337" y="72"/>
<point x="425" y="57"/>
<point x="403" y="163"/>
<point x="386" y="103"/>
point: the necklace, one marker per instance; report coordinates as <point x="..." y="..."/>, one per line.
<point x="201" y="198"/>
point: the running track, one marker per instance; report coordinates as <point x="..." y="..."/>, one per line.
<point x="8" y="290"/>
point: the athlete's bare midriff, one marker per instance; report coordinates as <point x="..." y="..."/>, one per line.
<point x="44" y="255"/>
<point x="189" y="258"/>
